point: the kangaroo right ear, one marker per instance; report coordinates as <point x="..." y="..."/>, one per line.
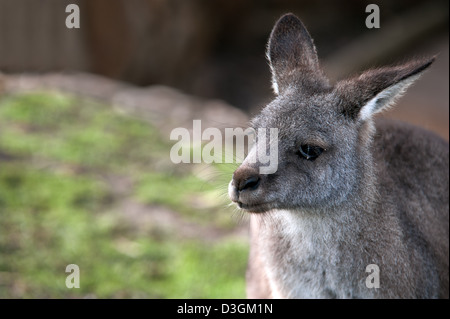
<point x="376" y="90"/>
<point x="291" y="52"/>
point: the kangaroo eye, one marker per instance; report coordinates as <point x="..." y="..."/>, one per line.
<point x="310" y="152"/>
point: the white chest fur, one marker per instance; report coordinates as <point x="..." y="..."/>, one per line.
<point x="299" y="255"/>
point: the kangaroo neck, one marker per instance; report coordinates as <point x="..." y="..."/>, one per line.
<point x="302" y="249"/>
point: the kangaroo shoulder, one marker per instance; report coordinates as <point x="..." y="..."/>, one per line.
<point x="408" y="148"/>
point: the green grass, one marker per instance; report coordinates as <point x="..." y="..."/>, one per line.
<point x="75" y="131"/>
<point x="58" y="206"/>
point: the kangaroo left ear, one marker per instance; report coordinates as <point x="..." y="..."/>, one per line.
<point x="376" y="90"/>
<point x="291" y="53"/>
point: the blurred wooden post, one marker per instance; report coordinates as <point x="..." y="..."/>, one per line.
<point x="34" y="37"/>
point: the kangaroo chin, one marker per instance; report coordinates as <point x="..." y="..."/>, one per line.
<point x="248" y="203"/>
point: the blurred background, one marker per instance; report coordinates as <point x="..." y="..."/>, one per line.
<point x="85" y="118"/>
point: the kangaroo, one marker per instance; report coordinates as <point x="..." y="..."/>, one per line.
<point x="350" y="190"/>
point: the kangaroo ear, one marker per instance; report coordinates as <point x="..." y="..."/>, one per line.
<point x="376" y="90"/>
<point x="291" y="49"/>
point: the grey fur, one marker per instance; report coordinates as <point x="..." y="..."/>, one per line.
<point x="378" y="194"/>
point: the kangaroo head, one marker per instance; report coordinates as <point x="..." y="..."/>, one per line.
<point x="324" y="131"/>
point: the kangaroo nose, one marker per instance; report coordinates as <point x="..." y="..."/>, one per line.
<point x="250" y="183"/>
